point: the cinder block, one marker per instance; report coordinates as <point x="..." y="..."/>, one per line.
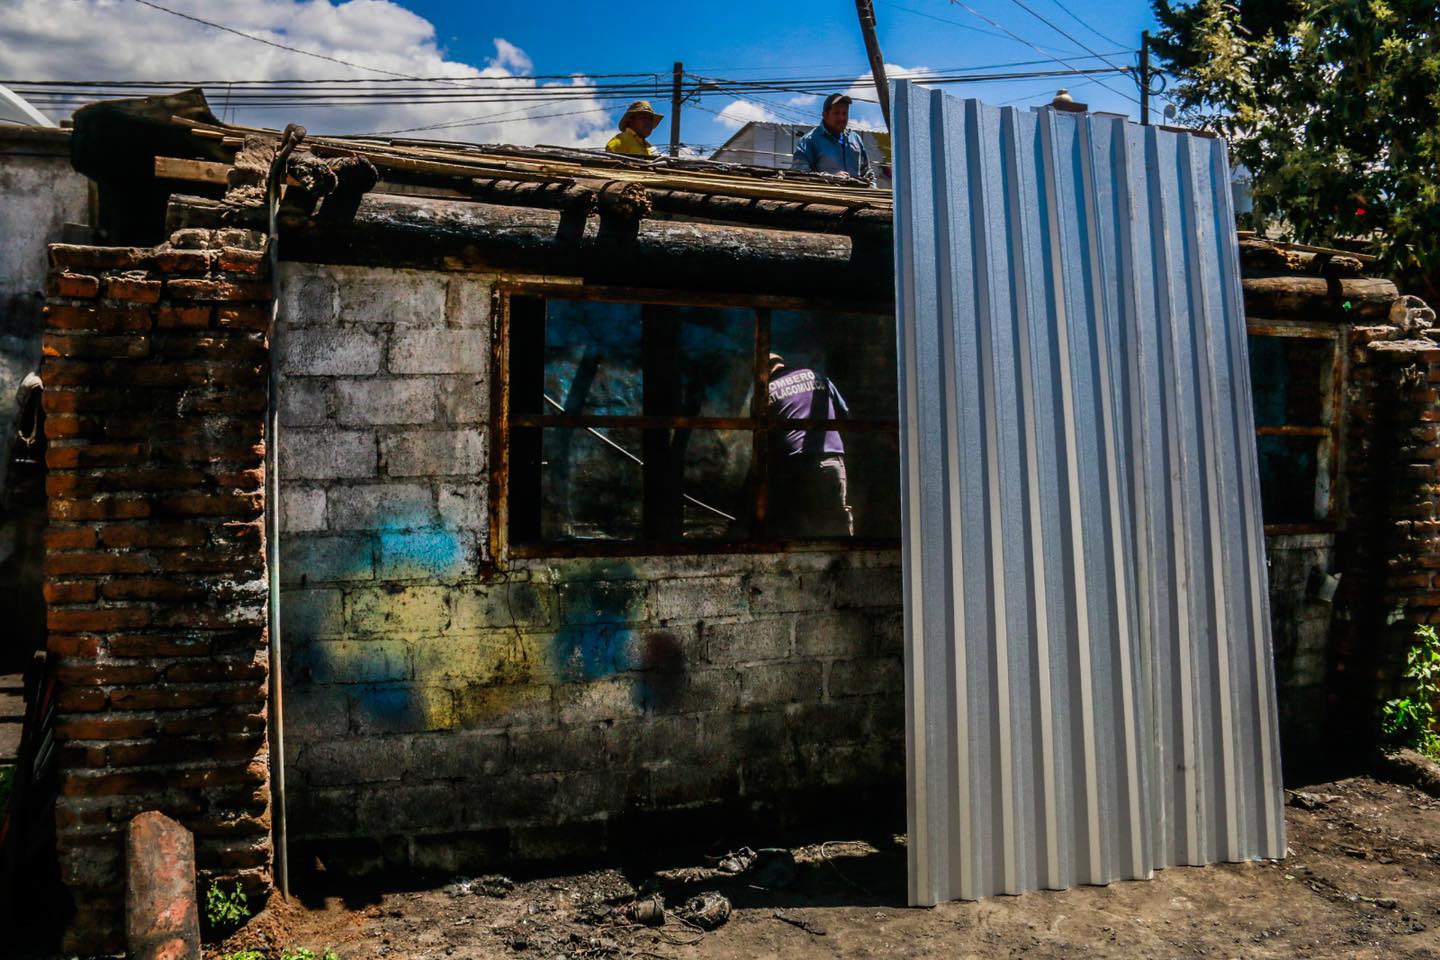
<point x="412" y="611"/>
<point x="833" y="635"/>
<point x="464" y="505"/>
<point x="559" y="750"/>
<point x="314" y="712"/>
<point x="849" y="678"/>
<point x="461" y="755"/>
<point x="698" y="598"/>
<point x="307" y="615"/>
<point x="485" y="606"/>
<point x="434" y="453"/>
<point x="464" y="399"/>
<point x="336" y="763"/>
<point x="444" y="350"/>
<point x="404" y="297"/>
<point x="329" y="351"/>
<point x="714" y="689"/>
<point x="401" y="708"/>
<point x="302" y="509"/>
<point x="654" y="739"/>
<point x="311" y="454"/>
<point x="482" y="659"/>
<point x="385" y="400"/>
<point x="308" y="294"/>
<point x="353" y="661"/>
<point x="427" y="553"/>
<point x="746" y="640"/>
<point x="869" y="587"/>
<point x="782" y="592"/>
<point x="602" y="601"/>
<point x="312" y="558"/>
<point x="381" y="506"/>
<point x="781" y="683"/>
<point x="305" y="402"/>
<point x="467" y="303"/>
<point x="609" y="698"/>
<point x="408" y="808"/>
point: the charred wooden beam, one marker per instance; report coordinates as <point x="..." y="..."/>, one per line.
<point x="457" y="235"/>
<point x="1333" y="298"/>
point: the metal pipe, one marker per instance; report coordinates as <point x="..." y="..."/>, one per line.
<point x="291" y="139"/>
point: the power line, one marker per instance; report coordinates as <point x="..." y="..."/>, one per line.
<point x="1087" y="26"/>
<point x="271" y="43"/>
<point x="1037" y="49"/>
<point x="1067" y="36"/>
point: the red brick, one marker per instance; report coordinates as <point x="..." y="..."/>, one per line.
<point x="59" y="564"/>
<point x="158" y="588"/>
<point x="240" y="260"/>
<point x="82" y="673"/>
<point x="133" y="290"/>
<point x="63" y="316"/>
<point x="76" y="285"/>
<point x="212" y="504"/>
<point x="149" y="478"/>
<point x="64" y="426"/>
<point x="256" y="772"/>
<point x="104" y="509"/>
<point x="184" y="261"/>
<point x="153" y="535"/>
<point x="188" y="750"/>
<point x="217" y="290"/>
<point x="213" y="670"/>
<point x="100" y="258"/>
<point x="83" y="591"/>
<point x="252" y="478"/>
<point x="70" y="485"/>
<point x="97" y="346"/>
<point x="91" y="455"/>
<point x="159" y="645"/>
<point x="107" y="726"/>
<point x="244" y="317"/>
<point x="111" y="784"/>
<point x="73" y="644"/>
<point x="209" y="618"/>
<point x="80" y="700"/>
<point x="176" y="697"/>
<point x="69" y="537"/>
<point x="177" y="725"/>
<point x="170" y="317"/>
<point x="102" y="619"/>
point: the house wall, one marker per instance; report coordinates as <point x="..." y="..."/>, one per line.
<point x="439" y="713"/>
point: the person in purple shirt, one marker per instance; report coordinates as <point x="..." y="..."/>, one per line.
<point x="807" y="482"/>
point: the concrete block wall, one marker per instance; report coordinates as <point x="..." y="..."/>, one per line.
<point x="440" y="715"/>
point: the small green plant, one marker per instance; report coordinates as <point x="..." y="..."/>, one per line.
<point x="305" y="953"/>
<point x="245" y="955"/>
<point x="225" y="910"/>
<point x="1410" y="721"/>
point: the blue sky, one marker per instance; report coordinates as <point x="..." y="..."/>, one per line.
<point x="739" y="40"/>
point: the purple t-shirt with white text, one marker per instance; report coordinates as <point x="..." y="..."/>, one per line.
<point x="802" y="395"/>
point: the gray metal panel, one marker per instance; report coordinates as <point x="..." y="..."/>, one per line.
<point x="1089" y="683"/>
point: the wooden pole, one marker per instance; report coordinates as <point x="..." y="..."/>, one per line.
<point x="1145" y="78"/>
<point x="675" y="100"/>
<point x="866" y="10"/>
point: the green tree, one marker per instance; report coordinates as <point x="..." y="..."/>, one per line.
<point x="1333" y="105"/>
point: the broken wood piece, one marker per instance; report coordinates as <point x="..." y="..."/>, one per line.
<point x="192" y="171"/>
<point x="162" y="921"/>
<point x="810" y="927"/>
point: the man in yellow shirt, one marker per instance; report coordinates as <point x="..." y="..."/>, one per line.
<point x="637" y="124"/>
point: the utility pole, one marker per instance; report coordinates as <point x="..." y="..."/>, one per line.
<point x="675" y="100"/>
<point x="1145" y="78"/>
<point x="866" y="10"/>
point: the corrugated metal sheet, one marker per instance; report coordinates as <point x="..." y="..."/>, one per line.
<point x="1089" y="681"/>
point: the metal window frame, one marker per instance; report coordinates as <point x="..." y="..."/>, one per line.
<point x="1332" y="405"/>
<point x="502" y="548"/>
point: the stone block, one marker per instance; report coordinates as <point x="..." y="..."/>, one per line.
<point x="559" y="750"/>
<point x="485" y="606"/>
<point x="698" y="598"/>
<point x="401" y="708"/>
<point x="849" y="678"/>
<point x="305" y="402"/>
<point x="484" y="659"/>
<point x="771" y="683"/>
<point x="308" y="295"/>
<point x="609" y="698"/>
<point x="427" y="553"/>
<point x="334" y="763"/>
<point x="312" y="558"/>
<point x="444" y="350"/>
<point x="407" y="808"/>
<point x="353" y="661"/>
<point x="715" y="689"/>
<point x="329" y="352"/>
<point x="746" y="640"/>
<point x="412" y="611"/>
<point x="315" y="712"/>
<point x="602" y="601"/>
<point x="464" y="399"/>
<point x="467" y="303"/>
<point x="311" y="454"/>
<point x="403" y="297"/>
<point x="869" y="587"/>
<point x="381" y="506"/>
<point x="302" y="509"/>
<point x="464" y="505"/>
<point x="434" y="453"/>
<point x="307" y="615"/>
<point x="162" y="921"/>
<point x="833" y="635"/>
<point x="384" y="401"/>
<point x="462" y="755"/>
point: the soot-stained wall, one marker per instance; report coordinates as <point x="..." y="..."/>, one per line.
<point x="439" y="716"/>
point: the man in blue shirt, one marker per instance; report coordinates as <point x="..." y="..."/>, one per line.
<point x="830" y="148"/>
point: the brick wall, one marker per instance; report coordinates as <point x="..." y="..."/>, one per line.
<point x="441" y="717"/>
<point x="1391" y="550"/>
<point x="155" y="394"/>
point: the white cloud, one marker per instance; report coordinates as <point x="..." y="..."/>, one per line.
<point x="737" y="113"/>
<point x="123" y="40"/>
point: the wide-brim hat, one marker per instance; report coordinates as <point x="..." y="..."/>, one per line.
<point x="640" y="106"/>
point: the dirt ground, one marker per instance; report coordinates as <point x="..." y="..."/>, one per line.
<point x="1362" y="880"/>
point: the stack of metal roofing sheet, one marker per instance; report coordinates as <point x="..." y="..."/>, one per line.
<point x="1090" y="692"/>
